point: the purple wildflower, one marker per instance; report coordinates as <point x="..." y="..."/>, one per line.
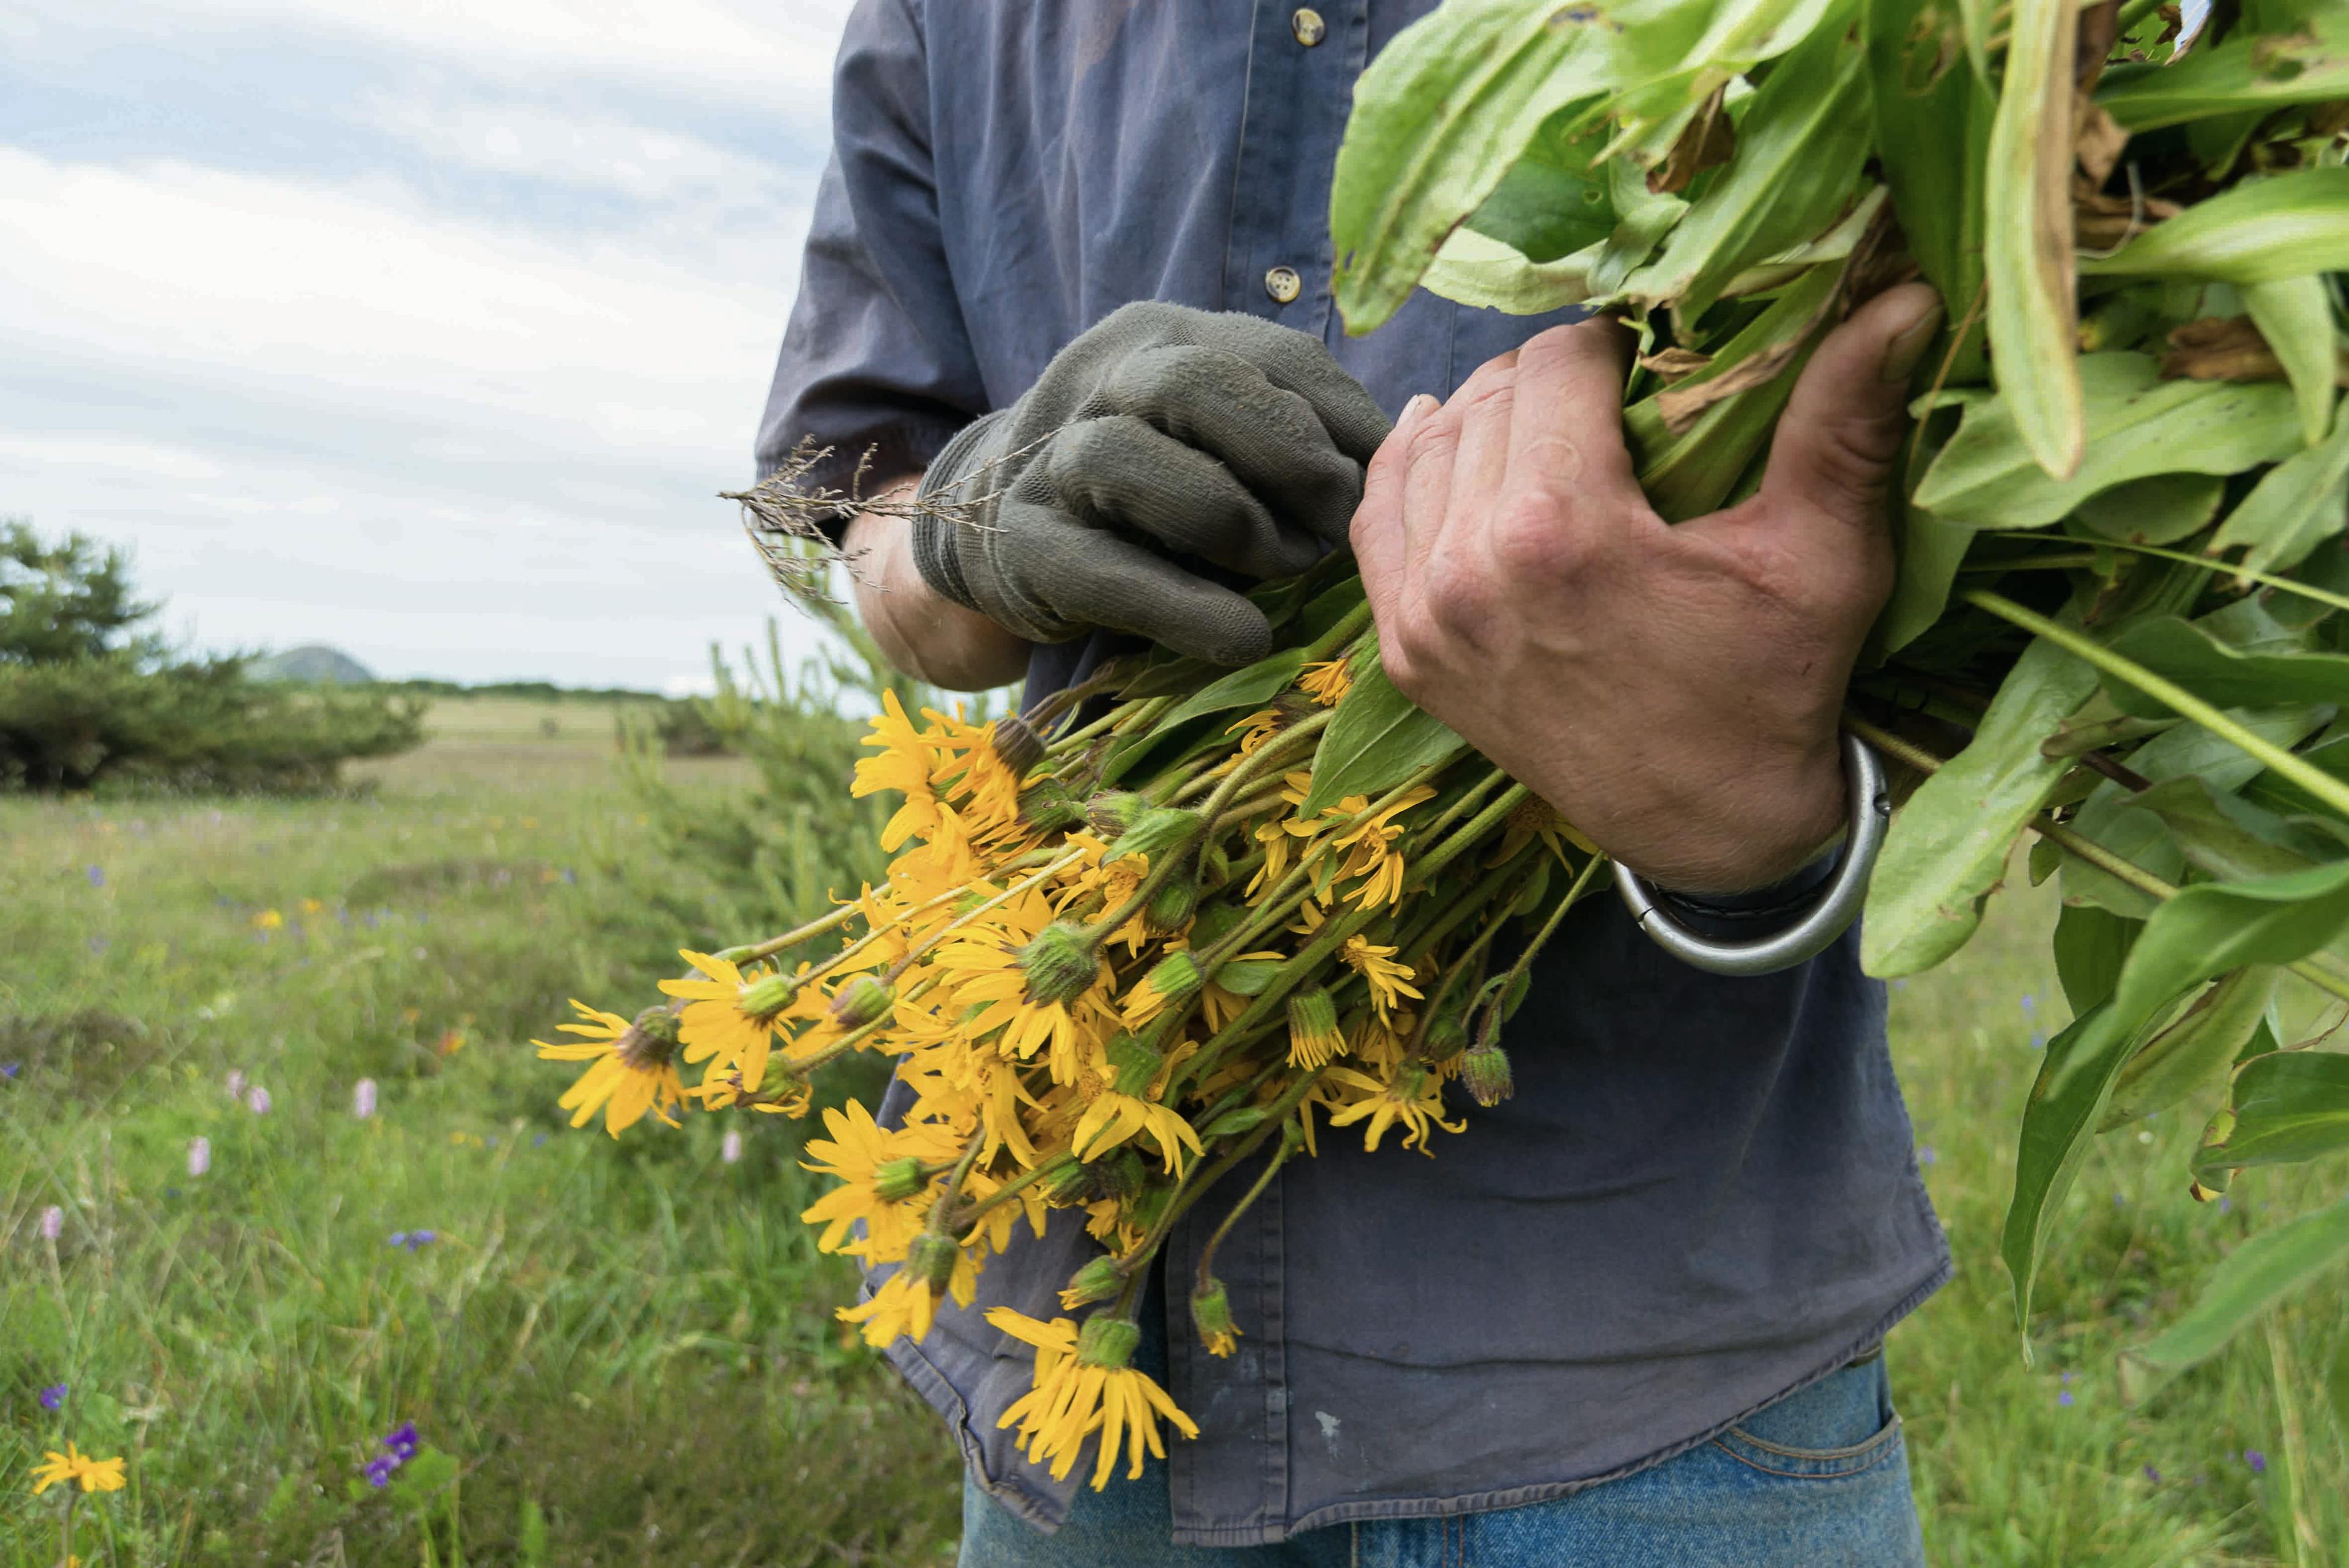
<point x="413" y="1240"/>
<point x="10" y="1069"/>
<point x="2065" y="1398"/>
<point x="200" y="1156"/>
<point x="378" y="1470"/>
<point x="2226" y="1204"/>
<point x="362" y="1098"/>
<point x="235" y="1083"/>
<point x="2030" y="1003"/>
<point x="2257" y="1461"/>
<point x="729" y="1148"/>
<point x="402" y="1442"/>
<point x="54" y="1397"/>
<point x="1928" y="1155"/>
<point x="52" y="1222"/>
<point x="97" y="876"/>
<point x="2153" y="1475"/>
<point x="256" y="1099"/>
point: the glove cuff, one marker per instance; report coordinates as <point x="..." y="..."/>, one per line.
<point x="936" y="555"/>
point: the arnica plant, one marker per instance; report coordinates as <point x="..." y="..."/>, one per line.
<point x="1179" y="922"/>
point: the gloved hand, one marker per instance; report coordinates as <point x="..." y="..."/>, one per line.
<point x="1163" y="438"/>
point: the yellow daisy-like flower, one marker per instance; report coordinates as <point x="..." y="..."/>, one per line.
<point x="1256" y="729"/>
<point x="1370" y="846"/>
<point x="1326" y="682"/>
<point x="988" y="975"/>
<point x="1534" y="818"/>
<point x="882" y="1182"/>
<point x="1113" y="1119"/>
<point x="1083" y="1386"/>
<point x="634" y="1072"/>
<point x="731" y="1017"/>
<point x="74" y="1466"/>
<point x="905" y="1306"/>
<point x="1413" y="1098"/>
<point x="904" y="765"/>
<point x="1314" y="1037"/>
<point x="1389" y="981"/>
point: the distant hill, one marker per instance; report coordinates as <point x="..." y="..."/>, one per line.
<point x="315" y="662"/>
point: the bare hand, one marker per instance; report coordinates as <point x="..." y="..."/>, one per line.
<point x="1671" y="688"/>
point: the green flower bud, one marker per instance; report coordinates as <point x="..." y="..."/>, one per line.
<point x="1106" y="1341"/>
<point x="1071" y="1184"/>
<point x="1097" y="1281"/>
<point x="1176" y="976"/>
<point x="1447" y="1036"/>
<point x="1486" y="1072"/>
<point x="1156" y="832"/>
<point x="650" y="1042"/>
<point x="1211" y="1314"/>
<point x="1232" y="1123"/>
<point x="1048" y="805"/>
<point x="767" y="995"/>
<point x="1059" y="963"/>
<point x="1136" y="1063"/>
<point x="1017" y="744"/>
<point x="1170" y="907"/>
<point x="1112" y="812"/>
<point x="861" y="999"/>
<point x="898" y="1179"/>
<point x="931" y="1259"/>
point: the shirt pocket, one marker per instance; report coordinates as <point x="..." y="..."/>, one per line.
<point x="1840" y="1426"/>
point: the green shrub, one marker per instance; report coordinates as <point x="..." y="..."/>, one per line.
<point x="86" y="696"/>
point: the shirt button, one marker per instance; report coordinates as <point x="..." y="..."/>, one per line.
<point x="1308" y="26"/>
<point x="1283" y="284"/>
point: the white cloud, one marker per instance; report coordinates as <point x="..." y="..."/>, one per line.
<point x="771" y="54"/>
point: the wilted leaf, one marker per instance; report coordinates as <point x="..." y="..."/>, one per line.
<point x="1480" y="271"/>
<point x="2220" y="348"/>
<point x="1761" y="351"/>
<point x="2250" y="71"/>
<point x="1948" y="843"/>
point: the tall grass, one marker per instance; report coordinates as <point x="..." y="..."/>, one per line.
<point x="627" y="1353"/>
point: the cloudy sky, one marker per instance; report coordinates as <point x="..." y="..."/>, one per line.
<point x="424" y="328"/>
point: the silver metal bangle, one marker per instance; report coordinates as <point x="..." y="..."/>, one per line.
<point x="1836" y="908"/>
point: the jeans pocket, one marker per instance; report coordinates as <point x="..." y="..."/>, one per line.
<point x="1839" y="1425"/>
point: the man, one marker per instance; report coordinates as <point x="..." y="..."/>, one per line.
<point x="1632" y="1315"/>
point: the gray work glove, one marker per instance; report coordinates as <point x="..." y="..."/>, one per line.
<point x="1162" y="439"/>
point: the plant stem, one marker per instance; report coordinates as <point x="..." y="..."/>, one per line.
<point x="1256" y="1190"/>
<point x="2242" y="573"/>
<point x="2332" y="791"/>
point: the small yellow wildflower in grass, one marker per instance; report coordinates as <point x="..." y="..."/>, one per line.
<point x="1413" y="1098"/>
<point x="74" y="1467"/>
<point x="312" y="906"/>
<point x="1326" y="682"/>
<point x="1083" y="1385"/>
<point x="269" y="920"/>
<point x="635" y="1070"/>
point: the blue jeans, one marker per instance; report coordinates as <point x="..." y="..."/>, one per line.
<point x="1819" y="1479"/>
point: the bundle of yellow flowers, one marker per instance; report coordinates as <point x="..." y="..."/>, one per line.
<point x="1119" y="956"/>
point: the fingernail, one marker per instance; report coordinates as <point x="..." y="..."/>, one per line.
<point x="1422" y="405"/>
<point x="1909" y="344"/>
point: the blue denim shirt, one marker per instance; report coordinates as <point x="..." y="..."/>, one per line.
<point x="1702" y="1194"/>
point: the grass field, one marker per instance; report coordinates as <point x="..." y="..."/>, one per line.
<point x="624" y="1355"/>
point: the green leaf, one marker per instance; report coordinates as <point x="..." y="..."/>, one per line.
<point x="2204" y="931"/>
<point x="2090" y="946"/>
<point x="2185" y="652"/>
<point x="2248" y="72"/>
<point x="2336" y="1387"/>
<point x="1948" y="844"/>
<point x="2137" y="425"/>
<point x="1251" y="687"/>
<point x="1930" y="550"/>
<point x="2027" y="251"/>
<point x="2159" y="510"/>
<point x="2288" y="1107"/>
<point x="1439" y="117"/>
<point x="1552" y="202"/>
<point x="2264" y="1270"/>
<point x="1932" y="139"/>
<point x="2194" y="1051"/>
<point x="1376" y="739"/>
<point x="2295" y="316"/>
<point x="1248" y="976"/>
<point x="1799" y="149"/>
<point x="2263" y="231"/>
<point x="2229" y="838"/>
<point x="1483" y="274"/>
<point x="2297" y="505"/>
